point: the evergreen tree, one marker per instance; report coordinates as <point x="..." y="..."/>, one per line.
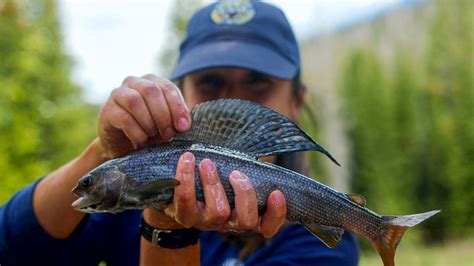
<point x="43" y="120"/>
<point x="412" y="132"/>
<point x="402" y="133"/>
<point x="18" y="136"/>
<point x="365" y="94"/>
<point x="182" y="10"/>
<point x="447" y="144"/>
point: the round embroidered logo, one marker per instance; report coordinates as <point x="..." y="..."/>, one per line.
<point x="233" y="12"/>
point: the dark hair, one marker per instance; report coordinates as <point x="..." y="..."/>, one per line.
<point x="296" y="84"/>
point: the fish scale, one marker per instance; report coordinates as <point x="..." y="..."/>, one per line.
<point x="234" y="134"/>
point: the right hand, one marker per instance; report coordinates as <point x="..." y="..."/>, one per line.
<point x="214" y="213"/>
<point x="143" y="110"/>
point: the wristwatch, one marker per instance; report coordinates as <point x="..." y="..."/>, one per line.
<point x="172" y="239"/>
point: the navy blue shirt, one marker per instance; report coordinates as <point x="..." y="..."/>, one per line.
<point x="115" y="238"/>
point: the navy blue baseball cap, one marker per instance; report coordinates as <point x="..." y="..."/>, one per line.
<point x="239" y="33"/>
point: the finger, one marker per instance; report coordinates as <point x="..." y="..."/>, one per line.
<point x="175" y="100"/>
<point x="157" y="105"/>
<point x="121" y="119"/>
<point x="245" y="201"/>
<point x="184" y="201"/>
<point x="275" y="214"/>
<point x="216" y="209"/>
<point x="128" y="80"/>
<point x="132" y="101"/>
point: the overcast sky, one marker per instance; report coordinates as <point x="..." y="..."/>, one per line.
<point x="112" y="39"/>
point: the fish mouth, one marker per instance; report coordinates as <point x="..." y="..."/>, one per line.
<point x="76" y="190"/>
<point x="86" y="204"/>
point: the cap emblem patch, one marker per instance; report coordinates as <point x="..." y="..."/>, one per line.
<point x="233" y="12"/>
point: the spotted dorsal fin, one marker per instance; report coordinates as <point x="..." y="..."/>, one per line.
<point x="247" y="127"/>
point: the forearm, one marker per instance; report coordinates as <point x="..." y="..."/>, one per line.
<point x="52" y="198"/>
<point x="154" y="255"/>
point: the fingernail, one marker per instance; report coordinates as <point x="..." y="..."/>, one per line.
<point x="168" y="133"/>
<point x="208" y="165"/>
<point x="278" y="199"/>
<point x="183" y="123"/>
<point x="238" y="175"/>
<point x="242" y="180"/>
<point x="210" y="168"/>
<point x="187" y="158"/>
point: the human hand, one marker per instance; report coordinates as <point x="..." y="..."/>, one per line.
<point x="143" y="110"/>
<point x="150" y="109"/>
<point x="215" y="213"/>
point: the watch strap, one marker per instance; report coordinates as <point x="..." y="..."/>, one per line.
<point x="172" y="239"/>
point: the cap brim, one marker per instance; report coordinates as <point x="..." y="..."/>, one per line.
<point x="235" y="54"/>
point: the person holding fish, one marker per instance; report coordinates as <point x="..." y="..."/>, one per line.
<point x="193" y="213"/>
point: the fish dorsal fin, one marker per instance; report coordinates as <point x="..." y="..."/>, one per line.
<point x="359" y="199"/>
<point x="330" y="236"/>
<point x="247" y="127"/>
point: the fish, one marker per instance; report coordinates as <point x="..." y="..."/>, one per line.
<point x="235" y="134"/>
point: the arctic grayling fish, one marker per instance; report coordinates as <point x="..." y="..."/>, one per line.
<point x="234" y="134"/>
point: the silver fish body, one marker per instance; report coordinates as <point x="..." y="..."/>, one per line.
<point x="234" y="134"/>
<point x="308" y="201"/>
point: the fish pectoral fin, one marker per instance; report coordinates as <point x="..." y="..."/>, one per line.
<point x="359" y="199"/>
<point x="330" y="236"/>
<point x="156" y="187"/>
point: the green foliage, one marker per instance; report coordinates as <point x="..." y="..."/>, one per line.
<point x="181" y="12"/>
<point x="411" y="125"/>
<point x="448" y="111"/>
<point x="367" y="96"/>
<point x="43" y="121"/>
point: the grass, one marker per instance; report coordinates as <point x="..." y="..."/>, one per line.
<point x="455" y="253"/>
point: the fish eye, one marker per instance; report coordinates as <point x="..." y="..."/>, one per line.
<point x="86" y="181"/>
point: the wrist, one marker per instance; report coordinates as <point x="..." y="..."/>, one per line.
<point x="97" y="152"/>
<point x="159" y="220"/>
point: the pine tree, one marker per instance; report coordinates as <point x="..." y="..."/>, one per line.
<point x="447" y="145"/>
<point x="179" y="16"/>
<point x="365" y="93"/>
<point x="42" y="116"/>
<point x="402" y="132"/>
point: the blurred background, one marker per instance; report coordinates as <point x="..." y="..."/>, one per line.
<point x="391" y="96"/>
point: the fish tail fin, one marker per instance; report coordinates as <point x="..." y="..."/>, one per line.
<point x="395" y="227"/>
